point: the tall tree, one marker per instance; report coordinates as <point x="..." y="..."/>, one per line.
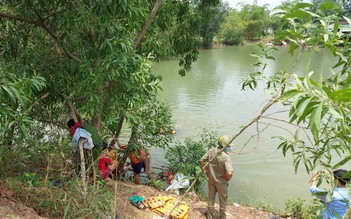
<point x="86" y="52"/>
<point x="232" y="29"/>
<point x="256" y="20"/>
<point x="211" y="16"/>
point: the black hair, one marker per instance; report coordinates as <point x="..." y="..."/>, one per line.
<point x="70" y="123"/>
<point x="339" y="174"/>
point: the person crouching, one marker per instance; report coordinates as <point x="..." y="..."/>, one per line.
<point x="108" y="163"/>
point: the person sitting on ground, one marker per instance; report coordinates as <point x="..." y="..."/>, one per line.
<point x="107" y="163"/>
<point x="137" y="159"/>
<point x="339" y="203"/>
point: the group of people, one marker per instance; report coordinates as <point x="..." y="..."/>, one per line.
<point x="218" y="167"/>
<point x="108" y="159"/>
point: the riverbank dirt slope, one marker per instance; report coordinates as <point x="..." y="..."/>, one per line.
<point x="10" y="207"/>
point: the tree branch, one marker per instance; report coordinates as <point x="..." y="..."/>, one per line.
<point x="18" y="18"/>
<point x="147" y="24"/>
<point x="51" y="33"/>
<point x="40" y="22"/>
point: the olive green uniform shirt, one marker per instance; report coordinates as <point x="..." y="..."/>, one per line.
<point x="219" y="166"/>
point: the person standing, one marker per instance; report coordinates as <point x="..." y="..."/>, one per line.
<point x="219" y="172"/>
<point x="137" y="159"/>
<point x="339" y="203"/>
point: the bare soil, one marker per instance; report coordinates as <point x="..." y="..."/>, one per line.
<point x="197" y="208"/>
<point x="10" y="207"/>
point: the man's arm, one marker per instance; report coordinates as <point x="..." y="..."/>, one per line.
<point x="78" y="116"/>
<point x="314" y="188"/>
<point x="229" y="175"/>
<point x="228" y="168"/>
<point x="118" y="143"/>
<point x="314" y="179"/>
<point x="203" y="163"/>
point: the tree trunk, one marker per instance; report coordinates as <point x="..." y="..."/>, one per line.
<point x="118" y="130"/>
<point x="133" y="135"/>
<point x="96" y="122"/>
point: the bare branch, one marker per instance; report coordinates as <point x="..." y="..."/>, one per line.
<point x="281" y="111"/>
<point x="284" y="121"/>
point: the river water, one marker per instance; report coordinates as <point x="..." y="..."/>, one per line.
<point x="210" y="97"/>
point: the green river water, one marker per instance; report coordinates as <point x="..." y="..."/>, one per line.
<point x="210" y="97"/>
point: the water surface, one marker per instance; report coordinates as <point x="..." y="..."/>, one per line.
<point x="210" y="97"/>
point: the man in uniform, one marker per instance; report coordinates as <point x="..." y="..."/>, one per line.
<point x="219" y="172"/>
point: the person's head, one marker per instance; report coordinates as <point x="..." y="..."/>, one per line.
<point x="223" y="142"/>
<point x="339" y="175"/>
<point x="70" y="123"/>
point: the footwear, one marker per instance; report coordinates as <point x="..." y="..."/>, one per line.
<point x="207" y="214"/>
<point x="138" y="205"/>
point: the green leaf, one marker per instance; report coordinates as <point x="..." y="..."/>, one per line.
<point x="296" y="164"/>
<point x="316" y="116"/>
<point x="321" y="193"/>
<point x="24" y="131"/>
<point x="329" y="5"/>
<point x="302" y="106"/>
<point x="347" y="175"/>
<point x="342" y="162"/>
<point x="335" y="113"/>
<point x="298" y="14"/>
<point x="345" y="97"/>
<point x="303" y="5"/>
<point x="309" y="108"/>
<point x="277" y="11"/>
<point x="289" y="94"/>
<point x="340" y="92"/>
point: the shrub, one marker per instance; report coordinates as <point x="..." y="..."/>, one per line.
<point x="185" y="158"/>
<point x="297" y="208"/>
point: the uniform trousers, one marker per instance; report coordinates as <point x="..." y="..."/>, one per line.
<point x="222" y="190"/>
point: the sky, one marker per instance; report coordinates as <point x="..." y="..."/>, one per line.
<point x="272" y="3"/>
